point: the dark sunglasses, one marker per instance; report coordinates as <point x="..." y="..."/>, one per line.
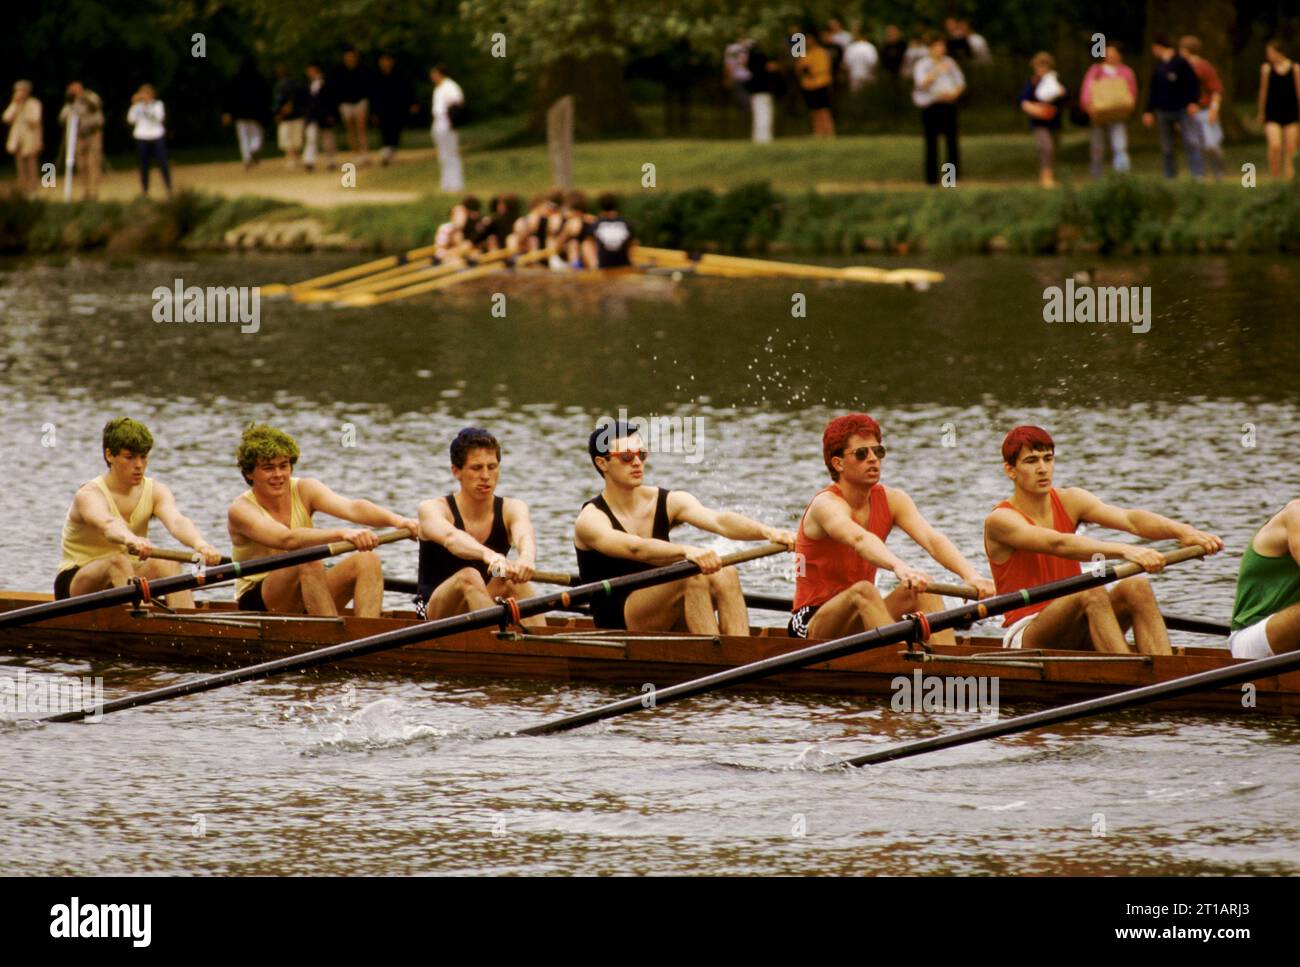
<point x="861" y="452"/>
<point x="627" y="456"/>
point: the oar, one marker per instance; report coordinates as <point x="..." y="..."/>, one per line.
<point x="412" y="272"/>
<point x="1197" y="626"/>
<point x="133" y="592"/>
<point x="387" y="262"/>
<point x="912" y="628"/>
<point x="371" y="299"/>
<point x="498" y="614"/>
<point x="1187" y="685"/>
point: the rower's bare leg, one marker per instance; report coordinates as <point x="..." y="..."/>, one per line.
<point x="729" y="602"/>
<point x="358" y="578"/>
<point x="153" y="570"/>
<point x="589" y="258"/>
<point x="107" y="572"/>
<point x="463" y="591"/>
<point x="1135" y="606"/>
<point x="1084" y="620"/>
<point x="298" y="590"/>
<point x="503" y="588"/>
<point x="1283" y="630"/>
<point x="856" y="608"/>
<point x="903" y="601"/>
<point x="671" y="607"/>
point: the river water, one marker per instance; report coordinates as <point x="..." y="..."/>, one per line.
<point x="332" y="773"/>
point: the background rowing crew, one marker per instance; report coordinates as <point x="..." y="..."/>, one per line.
<point x="466" y="537"/>
<point x="560" y="220"/>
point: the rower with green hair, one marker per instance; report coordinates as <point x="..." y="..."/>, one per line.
<point x="275" y="514"/>
<point x="106" y="532"/>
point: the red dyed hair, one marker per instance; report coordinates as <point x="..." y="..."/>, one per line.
<point x="836" y="435"/>
<point x="1034" y="437"/>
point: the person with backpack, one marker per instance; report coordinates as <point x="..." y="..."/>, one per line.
<point x="448" y="102"/>
<point x="1108" y="97"/>
<point x="1043" y="99"/>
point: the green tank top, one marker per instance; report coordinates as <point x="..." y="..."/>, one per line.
<point x="1265" y="585"/>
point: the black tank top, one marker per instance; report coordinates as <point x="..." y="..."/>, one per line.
<point x="607" y="610"/>
<point x="1280" y="104"/>
<point x="437" y="563"/>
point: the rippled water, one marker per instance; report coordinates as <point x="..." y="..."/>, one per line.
<point x="338" y="773"/>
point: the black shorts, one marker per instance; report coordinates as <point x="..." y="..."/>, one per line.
<point x="63" y="583"/>
<point x="817" y="98"/>
<point x="801" y="619"/>
<point x="251" y="600"/>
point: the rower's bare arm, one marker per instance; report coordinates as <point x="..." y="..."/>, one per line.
<point x="246" y="523"/>
<point x="180" y="526"/>
<point x="833" y="516"/>
<point x="520" y="526"/>
<point x="594" y="531"/>
<point x="436" y="525"/>
<point x="939" y="547"/>
<point x="687" y="509"/>
<point x="318" y="496"/>
<point x="1008" y="529"/>
<point x="92" y="506"/>
<point x="1291" y="521"/>
<point x="1143" y="523"/>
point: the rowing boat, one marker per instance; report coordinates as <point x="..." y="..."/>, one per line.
<point x="570" y="649"/>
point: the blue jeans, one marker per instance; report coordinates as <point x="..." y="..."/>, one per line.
<point x="1166" y="121"/>
<point x="1117" y="134"/>
<point x="1211" y="141"/>
<point x="157" y="151"/>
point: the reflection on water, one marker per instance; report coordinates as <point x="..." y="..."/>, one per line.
<point x="1195" y="418"/>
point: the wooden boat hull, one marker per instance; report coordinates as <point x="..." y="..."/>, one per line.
<point x="214" y="636"/>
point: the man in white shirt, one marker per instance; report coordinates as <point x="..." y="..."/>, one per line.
<point x="860" y="60"/>
<point x="447" y="96"/>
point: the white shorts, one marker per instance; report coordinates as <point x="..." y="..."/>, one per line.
<point x="1251" y="642"/>
<point x="1012" y="637"/>
<point x="357" y="109"/>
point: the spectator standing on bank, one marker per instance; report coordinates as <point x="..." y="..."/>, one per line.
<point x="1042" y="99"/>
<point x="322" y="117"/>
<point x="815" y="72"/>
<point x="1172" y="102"/>
<point x="1108" y="97"/>
<point x="892" y="50"/>
<point x="288" y="106"/>
<point x="89" y="156"/>
<point x="350" y="83"/>
<point x="975" y="43"/>
<point x="23" y="115"/>
<point x="148" y="117"/>
<point x="765" y="85"/>
<point x="394" y="103"/>
<point x="860" y="60"/>
<point x="246" y="106"/>
<point x="916" y="49"/>
<point x="937" y="83"/>
<point x="1279" y="108"/>
<point x="1207" y="117"/>
<point x="735" y="69"/>
<point x="448" y="102"/>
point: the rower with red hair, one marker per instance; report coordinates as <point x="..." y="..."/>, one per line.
<point x="1030" y="539"/>
<point x="841" y="543"/>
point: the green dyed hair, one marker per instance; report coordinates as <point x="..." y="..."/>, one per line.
<point x="125" y="433"/>
<point x="263" y="442"/>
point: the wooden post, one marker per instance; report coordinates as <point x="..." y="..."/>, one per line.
<point x="559" y="141"/>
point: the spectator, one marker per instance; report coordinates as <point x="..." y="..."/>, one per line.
<point x="448" y="102"/>
<point x="1108" y="97"/>
<point x="836" y="36"/>
<point x="958" y="45"/>
<point x="1207" y="117"/>
<point x="394" y="102"/>
<point x="892" y="51"/>
<point x="288" y="105"/>
<point x="351" y="86"/>
<point x="937" y="83"/>
<point x="814" y="71"/>
<point x="916" y="49"/>
<point x="23" y="115"/>
<point x="1171" y="103"/>
<point x="860" y="60"/>
<point x="88" y="161"/>
<point x="246" y="106"/>
<point x="322" y="116"/>
<point x="1042" y="99"/>
<point x="978" y="46"/>
<point x="765" y="84"/>
<point x="147" y="117"/>
<point x="735" y="69"/>
<point x="1279" y="109"/>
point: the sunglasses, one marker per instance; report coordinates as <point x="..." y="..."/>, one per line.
<point x="627" y="456"/>
<point x="861" y="452"/>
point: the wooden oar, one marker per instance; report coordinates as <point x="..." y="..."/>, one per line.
<point x="371" y="299"/>
<point x="912" y="628"/>
<point x="221" y="574"/>
<point x="1201" y="682"/>
<point x="278" y="289"/>
<point x="421" y="271"/>
<point x="424" y="631"/>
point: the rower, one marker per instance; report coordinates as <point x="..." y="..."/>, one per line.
<point x="615" y="239"/>
<point x="1266" y="610"/>
<point x="113" y="511"/>
<point x="841" y="543"/>
<point x="542" y="222"/>
<point x="576" y="242"/>
<point x="275" y="514"/>
<point x="454" y="237"/>
<point x="625" y="529"/>
<point x="1030" y="539"/>
<point x="465" y="537"/>
<point x="493" y="231"/>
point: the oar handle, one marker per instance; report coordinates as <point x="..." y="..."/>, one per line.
<point x="342" y="547"/>
<point x="953" y="590"/>
<point x="740" y="557"/>
<point x="1128" y="568"/>
<point x="167" y="554"/>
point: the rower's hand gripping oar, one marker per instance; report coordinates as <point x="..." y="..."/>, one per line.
<point x="138" y="589"/>
<point x="916" y="627"/>
<point x="499" y="614"/>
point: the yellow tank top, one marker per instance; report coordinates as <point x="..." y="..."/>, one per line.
<point x="249" y="550"/>
<point x="83" y="543"/>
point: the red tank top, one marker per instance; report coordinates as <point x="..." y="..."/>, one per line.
<point x="1024" y="569"/>
<point x="829" y="566"/>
